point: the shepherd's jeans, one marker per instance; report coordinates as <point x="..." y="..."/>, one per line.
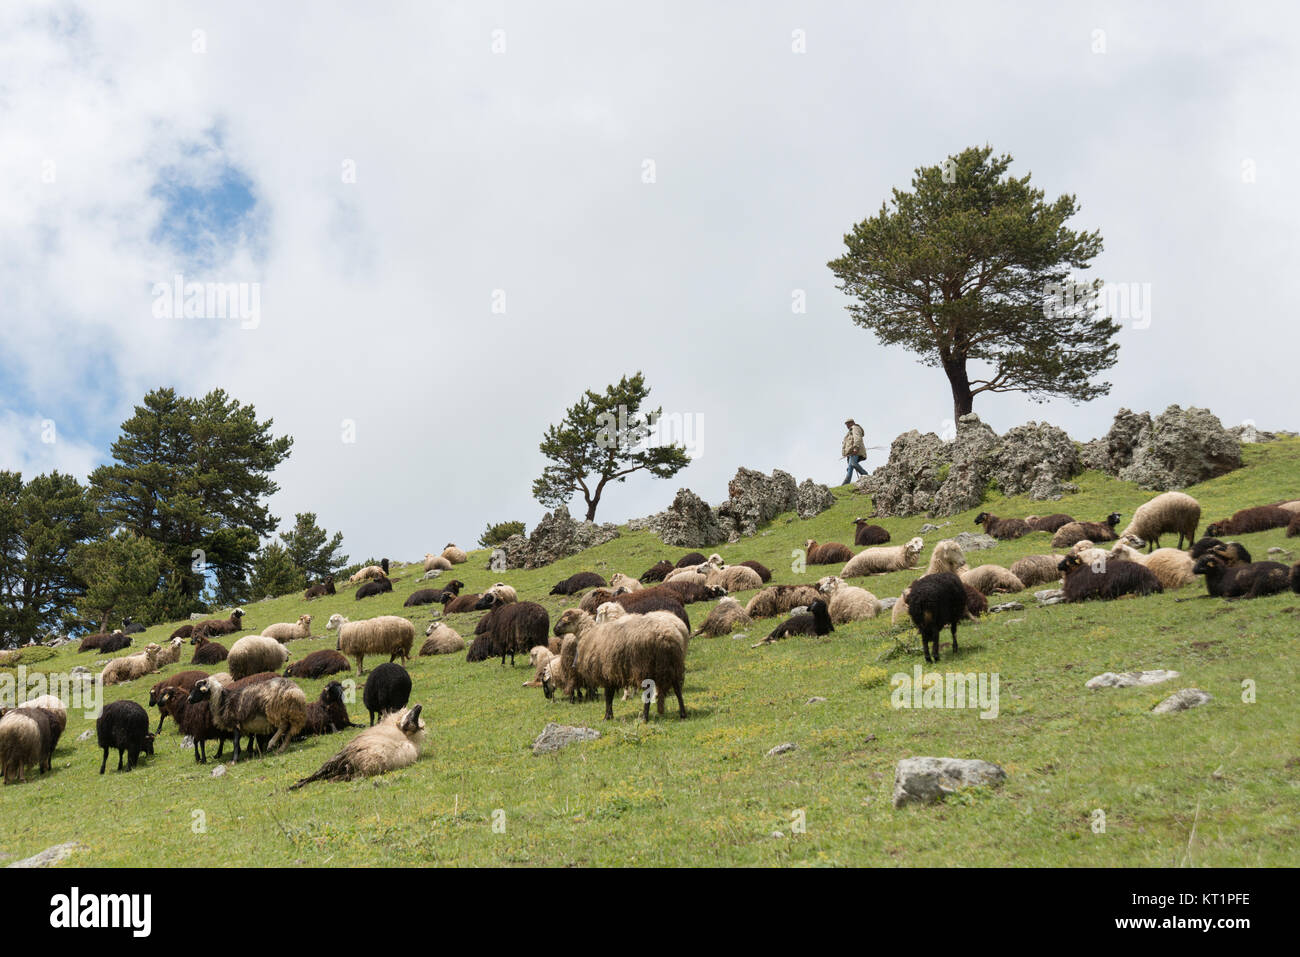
<point x="853" y="465"/>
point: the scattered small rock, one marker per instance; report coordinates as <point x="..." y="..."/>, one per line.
<point x="1007" y="606"/>
<point x="1129" y="679"/>
<point x="927" y="780"/>
<point x="739" y="635"/>
<point x="86" y="735"/>
<point x="1182" y="700"/>
<point x="1049" y="593"/>
<point x="931" y="527"/>
<point x="887" y="603"/>
<point x="431" y="574"/>
<point x="50" y="856"/>
<point x="79" y="670"/>
<point x="555" y="736"/>
<point x="814" y="700"/>
<point x="219" y="770"/>
<point x="781" y="749"/>
<point x="777" y="834"/>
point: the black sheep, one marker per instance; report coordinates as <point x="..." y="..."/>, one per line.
<point x="690" y="592"/>
<point x="123" y="725"/>
<point x="511" y="629"/>
<point x="116" y="642"/>
<point x="1002" y="528"/>
<point x="1048" y="523"/>
<point x="209" y="652"/>
<point x="1107" y="580"/>
<point x="657" y="571"/>
<point x="576" y="583"/>
<point x="423" y="596"/>
<point x="690" y="558"/>
<point x="374" y="588"/>
<point x="1258" y="519"/>
<point x="388" y="688"/>
<point x="815" y="621"/>
<point x="764" y="574"/>
<point x="320" y="589"/>
<point x="1205" y="545"/>
<point x="193" y="720"/>
<point x="330" y="713"/>
<point x="867" y="534"/>
<point x="1242" y="581"/>
<point x="935" y="602"/>
<point x="130" y="627"/>
<point x="318" y="664"/>
<point x="1295" y="578"/>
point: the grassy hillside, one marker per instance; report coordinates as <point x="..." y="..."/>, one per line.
<point x="1212" y="786"/>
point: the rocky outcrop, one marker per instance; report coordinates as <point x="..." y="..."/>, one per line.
<point x="812" y="499"/>
<point x="1113" y="452"/>
<point x="755" y="499"/>
<point x="1182" y="447"/>
<point x="556" y="536"/>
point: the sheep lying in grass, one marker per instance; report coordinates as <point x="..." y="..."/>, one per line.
<point x="690" y="592"/>
<point x="320" y="589"/>
<point x="218" y="626"/>
<point x="434" y="562"/>
<point x="329" y="713"/>
<point x="1106" y="580"/>
<point x="732" y="578"/>
<point x="1293" y="526"/>
<point x="657" y="571"/>
<point x="847" y="602"/>
<point x="1072" y="532"/>
<point x="864" y="533"/>
<point x="318" y="664"/>
<point x="1002" y="528"/>
<point x="654" y="599"/>
<point x="509" y="630"/>
<point x="389" y="635"/>
<point x="289" y="631"/>
<point x="987" y="579"/>
<point x="208" y="652"/>
<point x="275" y="706"/>
<point x="1171" y="566"/>
<point x="495" y="597"/>
<point x="1242" y="581"/>
<point x="455" y="555"/>
<point x="725" y="617"/>
<point x="779" y="599"/>
<point x="392" y="744"/>
<point x="619" y="580"/>
<point x="441" y="639"/>
<point x="692" y="574"/>
<point x="625" y="652"/>
<point x="764" y="574"/>
<point x="577" y="582"/>
<point x="369" y="589"/>
<point x="1037" y="569"/>
<point x="96" y="641"/>
<point x="132" y="666"/>
<point x="184" y="631"/>
<point x="254" y="653"/>
<point x="689" y="559"/>
<point x="1048" y="523"/>
<point x="1165" y="514"/>
<point x="370" y="572"/>
<point x="1232" y="553"/>
<point x="832" y="553"/>
<point x="170" y="653"/>
<point x="936" y="602"/>
<point x="883" y="559"/>
<point x="1247" y="520"/>
<point x="815" y="621"/>
<point x="123" y="725"/>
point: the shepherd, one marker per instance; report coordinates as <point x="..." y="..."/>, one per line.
<point x="854" y="449"/>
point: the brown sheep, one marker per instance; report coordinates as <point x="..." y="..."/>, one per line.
<point x="832" y="553"/>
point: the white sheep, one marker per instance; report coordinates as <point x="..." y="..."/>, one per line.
<point x="880" y="559"/>
<point x="987" y="579"/>
<point x="255" y="653"/>
<point x="132" y="666"/>
<point x="725" y="617"/>
<point x="434" y="562"/>
<point x="289" y="631"/>
<point x="454" y="555"/>
<point x="170" y="653"/>
<point x="847" y="602"/>
<point x="1168" y="512"/>
<point x="619" y="580"/>
<point x="441" y="639"/>
<point x="733" y="578"/>
<point x="1171" y="566"/>
<point x="389" y="635"/>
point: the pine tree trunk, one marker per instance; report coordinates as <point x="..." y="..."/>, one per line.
<point x="962" y="399"/>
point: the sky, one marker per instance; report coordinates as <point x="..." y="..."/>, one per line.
<point x="447" y="220"/>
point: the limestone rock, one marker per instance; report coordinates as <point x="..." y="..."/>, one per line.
<point x="927" y="780"/>
<point x="556" y="736"/>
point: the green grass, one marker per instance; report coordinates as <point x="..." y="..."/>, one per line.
<point x="702" y="791"/>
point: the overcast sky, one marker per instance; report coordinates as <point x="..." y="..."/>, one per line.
<point x="387" y="173"/>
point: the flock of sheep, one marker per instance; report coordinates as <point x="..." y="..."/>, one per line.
<point x="624" y="634"/>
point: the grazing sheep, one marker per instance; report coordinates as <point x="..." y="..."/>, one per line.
<point x="725" y="617"/>
<point x="1072" y="532"/>
<point x="320" y="589"/>
<point x="441" y="639"/>
<point x="1167" y="513"/>
<point x="288" y="631"/>
<point x="509" y="630"/>
<point x="132" y="666"/>
<point x="1106" y="580"/>
<point x="218" y="626"/>
<point x="453" y="604"/>
<point x="208" y="652"/>
<point x="184" y="631"/>
<point x="96" y="641"/>
<point x="619" y="580"/>
<point x="372" y="588"/>
<point x="936" y="602"/>
<point x="657" y="571"/>
<point x="779" y="599"/>
<point x="622" y="653"/>
<point x="1172" y="566"/>
<point x="254" y="653"/>
<point x="57" y="714"/>
<point x="392" y="744"/>
<point x="454" y="555"/>
<point x="170" y="653"/>
<point x="832" y="553"/>
<point x="1047" y="523"/>
<point x="946" y="556"/>
<point x="192" y="720"/>
<point x="882" y="559"/>
<point x="329" y="713"/>
<point x="690" y="558"/>
<point x="387" y="689"/>
<point x="370" y="572"/>
<point x="1247" y="520"/>
<point x="539" y="656"/>
<point x="848" y="602"/>
<point x="734" y="578"/>
<point x="1037" y="569"/>
<point x="764" y="575"/>
<point x="1002" y="528"/>
<point x="815" y="621"/>
<point x="275" y="706"/>
<point x="865" y="533"/>
<point x="25" y="739"/>
<point x="690" y="592"/>
<point x="123" y="725"/>
<point x="318" y="664"/>
<point x="987" y="579"/>
<point x="1242" y="581"/>
<point x="182" y="679"/>
<point x="976" y="603"/>
<point x="434" y="562"/>
<point x="654" y="599"/>
<point x="597" y="597"/>
<point x="389" y="635"/>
